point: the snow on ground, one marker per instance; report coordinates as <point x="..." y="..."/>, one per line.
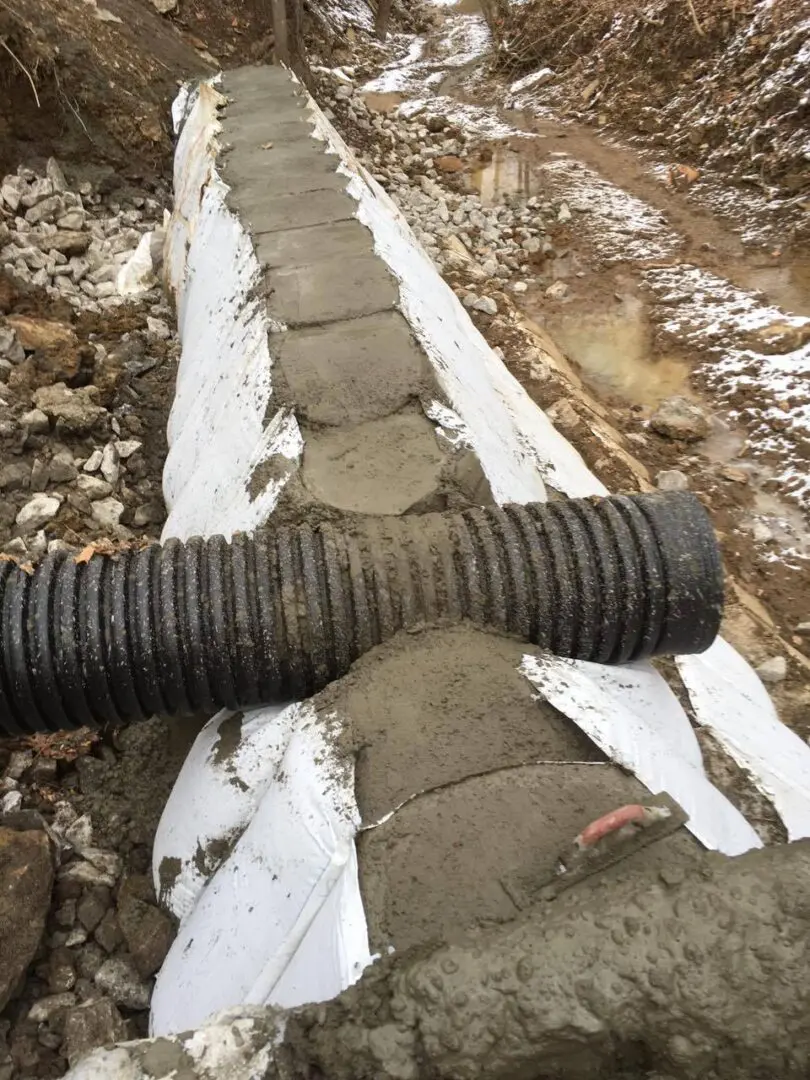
<point x="620" y="226"/>
<point x="467" y="39"/>
<point x="758" y="359"/>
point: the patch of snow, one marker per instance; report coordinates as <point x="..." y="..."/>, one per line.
<point x="620" y="226"/>
<point x="750" y="347"/>
<point x="530" y="82"/>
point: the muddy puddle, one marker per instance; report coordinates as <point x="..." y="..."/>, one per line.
<point x="613" y="349"/>
<point x="509" y="172"/>
<point x="788" y="284"/>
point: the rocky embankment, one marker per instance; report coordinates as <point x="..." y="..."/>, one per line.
<point x="87" y="360"/>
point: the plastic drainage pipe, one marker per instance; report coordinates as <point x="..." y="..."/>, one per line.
<point x="272" y="617"/>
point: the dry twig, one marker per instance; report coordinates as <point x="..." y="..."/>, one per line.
<point x="22" y="68"/>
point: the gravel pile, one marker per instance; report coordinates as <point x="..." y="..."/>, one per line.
<point x="71" y="243"/>
<point x="419" y="160"/>
<point x="84" y="368"/>
<point x="77" y="819"/>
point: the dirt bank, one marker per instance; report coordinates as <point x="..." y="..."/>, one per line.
<point x="714" y="85"/>
<point x="90" y="81"/>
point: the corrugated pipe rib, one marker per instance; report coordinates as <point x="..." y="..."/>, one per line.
<point x="195" y="626"/>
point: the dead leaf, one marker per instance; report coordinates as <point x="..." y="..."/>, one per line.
<point x="109" y="547"/>
<point x="681" y="176"/>
<point x="27" y="566"/>
<point x="64" y="745"/>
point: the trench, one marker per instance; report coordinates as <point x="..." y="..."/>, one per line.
<point x="628" y="234"/>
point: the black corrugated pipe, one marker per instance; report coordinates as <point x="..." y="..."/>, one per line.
<point x="276" y="616"/>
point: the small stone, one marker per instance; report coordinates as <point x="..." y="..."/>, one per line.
<point x="557" y="291"/>
<point x="564" y="214"/>
<point x="74" y="411"/>
<point x="93" y="486"/>
<point x="46" y="1008"/>
<point x="735" y="475"/>
<point x="11" y="802"/>
<point x="38" y="512"/>
<point x="53" y="171"/>
<point x="18" y="763"/>
<point x="95" y="868"/>
<point x="36" y="422"/>
<point x="40" y="473"/>
<point x="72" y="221"/>
<point x="449" y="163"/>
<point x="36" y="333"/>
<point x="69" y="241"/>
<point x="15" y="476"/>
<point x="108" y="932"/>
<point x="12" y="190"/>
<point x="531" y="245"/>
<point x="672" y="480"/>
<point x="91" y="909"/>
<point x="773" y="670"/>
<point x="148" y="513"/>
<point x="110" y="467"/>
<point x="158" y="328"/>
<point x="26" y="871"/>
<point x="118" y="978"/>
<point x="127" y="447"/>
<point x="36" y="192"/>
<point x="803" y="629"/>
<point x="62" y="468"/>
<point x="10" y="347"/>
<point x="45" y="210"/>
<point x="563" y="415"/>
<point x="43" y="770"/>
<point x="147" y="930"/>
<point x="681" y="419"/>
<point x="90" y="1026"/>
<point x="79" y="833"/>
<point x="762" y="532"/>
<point x="520" y="287"/>
<point x="107" y="512"/>
<point x="487" y="305"/>
<point x="93" y="463"/>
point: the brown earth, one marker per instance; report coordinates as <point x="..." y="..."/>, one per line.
<point x="708" y="83"/>
<point x="90" y="81"/>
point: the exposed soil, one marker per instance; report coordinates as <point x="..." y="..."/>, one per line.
<point x="711" y="84"/>
<point x="90" y="81"/>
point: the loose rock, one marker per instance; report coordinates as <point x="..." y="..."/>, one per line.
<point x="773" y="670"/>
<point x="118" y="978"/>
<point x="38" y="512"/>
<point x="672" y="480"/>
<point x="26" y="877"/>
<point x="681" y="419"/>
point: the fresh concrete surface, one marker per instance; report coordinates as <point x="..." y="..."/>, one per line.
<point x="345" y="355"/>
